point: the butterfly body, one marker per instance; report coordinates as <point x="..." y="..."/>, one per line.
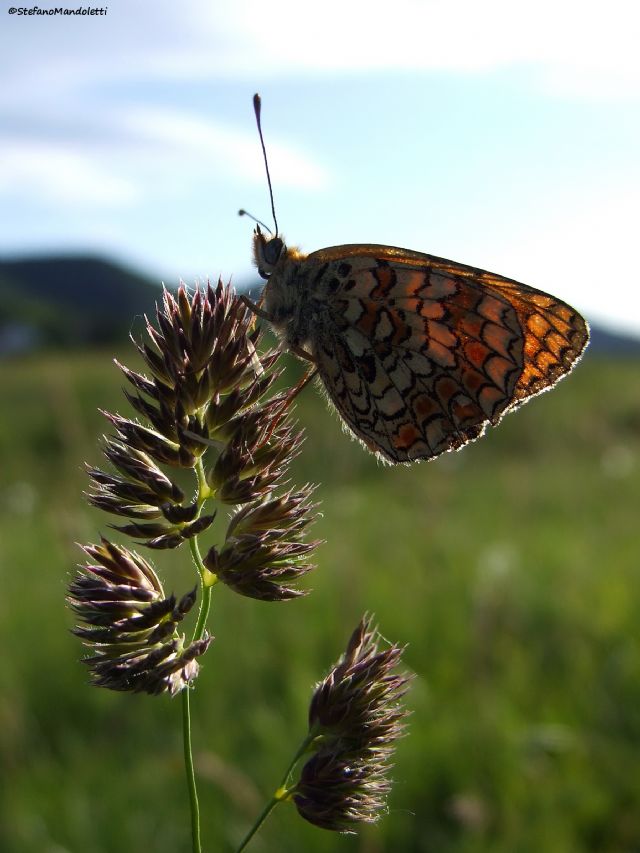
<point x="417" y="353"/>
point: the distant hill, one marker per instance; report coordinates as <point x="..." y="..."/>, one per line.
<point x="69" y="301"/>
<point x="613" y="343"/>
<point x="79" y="301"/>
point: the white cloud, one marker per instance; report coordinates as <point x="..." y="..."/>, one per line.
<point x="119" y="156"/>
<point x="568" y="46"/>
<point x="49" y="172"/>
<point x="187" y="136"/>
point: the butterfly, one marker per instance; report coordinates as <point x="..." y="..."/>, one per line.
<point x="418" y="354"/>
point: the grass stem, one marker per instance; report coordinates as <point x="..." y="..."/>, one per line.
<point x="191" y="779"/>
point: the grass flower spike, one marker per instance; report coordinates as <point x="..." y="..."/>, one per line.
<point x="206" y="407"/>
<point x="131" y="625"/>
<point x="355" y="718"/>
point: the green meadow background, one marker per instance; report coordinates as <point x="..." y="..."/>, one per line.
<point x="511" y="570"/>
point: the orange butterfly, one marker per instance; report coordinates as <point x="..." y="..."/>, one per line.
<point x="418" y="354"/>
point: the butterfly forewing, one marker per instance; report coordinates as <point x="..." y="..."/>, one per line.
<point x="419" y="354"/>
<point x="554" y="336"/>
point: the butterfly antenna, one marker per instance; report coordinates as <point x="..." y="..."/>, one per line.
<point x="243" y="212"/>
<point x="257" y="105"/>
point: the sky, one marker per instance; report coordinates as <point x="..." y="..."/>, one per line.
<point x="498" y="134"/>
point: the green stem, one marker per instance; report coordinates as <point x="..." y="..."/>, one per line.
<point x="283" y="792"/>
<point x="205" y="604"/>
<point x="191" y="778"/>
<point x="261" y="819"/>
<point x="204" y="491"/>
<point x="207" y="579"/>
<point x="205" y="590"/>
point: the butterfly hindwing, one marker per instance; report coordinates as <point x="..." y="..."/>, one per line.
<point x="419" y="354"/>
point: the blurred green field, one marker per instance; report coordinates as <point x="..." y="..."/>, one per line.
<point x="511" y="569"/>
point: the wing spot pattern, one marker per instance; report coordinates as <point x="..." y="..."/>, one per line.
<point x="419" y="355"/>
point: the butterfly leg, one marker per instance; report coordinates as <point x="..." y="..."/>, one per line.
<point x="286" y="402"/>
<point x="256" y="309"/>
<point x="301" y="353"/>
<point x="306" y="379"/>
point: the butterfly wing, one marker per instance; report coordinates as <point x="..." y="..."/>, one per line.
<point x="419" y="354"/>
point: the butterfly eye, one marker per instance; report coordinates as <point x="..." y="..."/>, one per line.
<point x="272" y="250"/>
<point x="267" y="251"/>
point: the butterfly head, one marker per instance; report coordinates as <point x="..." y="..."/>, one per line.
<point x="267" y="251"/>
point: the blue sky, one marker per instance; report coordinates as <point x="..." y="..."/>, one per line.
<point x="504" y="135"/>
